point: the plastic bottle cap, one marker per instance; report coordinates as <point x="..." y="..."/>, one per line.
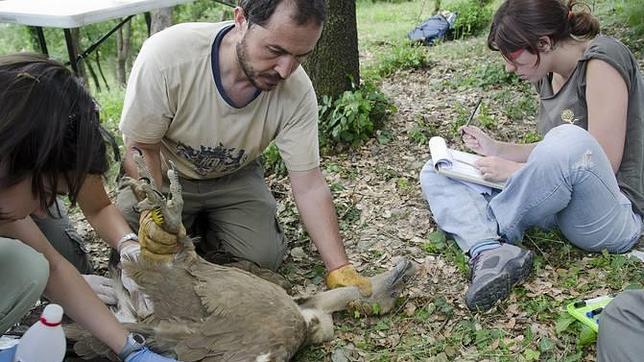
<point x="52" y="315"/>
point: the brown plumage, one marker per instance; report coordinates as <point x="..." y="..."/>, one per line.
<point x="208" y="312"/>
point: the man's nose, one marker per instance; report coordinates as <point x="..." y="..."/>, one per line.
<point x="286" y="64"/>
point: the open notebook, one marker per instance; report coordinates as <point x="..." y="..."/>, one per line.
<point x="457" y="164"/>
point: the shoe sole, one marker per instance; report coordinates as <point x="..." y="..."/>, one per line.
<point x="495" y="289"/>
<point x="516" y="271"/>
<point x="521" y="267"/>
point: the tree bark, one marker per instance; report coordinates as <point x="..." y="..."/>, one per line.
<point x="33" y="38"/>
<point x="334" y="63"/>
<point x="100" y="68"/>
<point x="82" y="72"/>
<point x="122" y="52"/>
<point x="92" y="74"/>
<point x="161" y="19"/>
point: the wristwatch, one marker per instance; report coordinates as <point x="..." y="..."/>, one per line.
<point x="126" y="237"/>
<point x="134" y="342"/>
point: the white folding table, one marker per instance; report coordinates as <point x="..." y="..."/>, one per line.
<point x="68" y="14"/>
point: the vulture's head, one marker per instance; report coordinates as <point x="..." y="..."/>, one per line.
<point x="317" y="309"/>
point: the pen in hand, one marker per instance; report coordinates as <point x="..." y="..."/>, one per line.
<point x="469" y="120"/>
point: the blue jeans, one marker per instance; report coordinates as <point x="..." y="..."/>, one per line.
<point x="567" y="182"/>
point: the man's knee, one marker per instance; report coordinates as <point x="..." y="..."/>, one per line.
<point x="621" y="328"/>
<point x="64" y="237"/>
<point x="627" y="304"/>
<point x="23" y="273"/>
<point x="126" y="202"/>
<point x="274" y="259"/>
<point x="269" y="254"/>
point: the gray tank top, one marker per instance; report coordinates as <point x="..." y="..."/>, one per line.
<point x="569" y="106"/>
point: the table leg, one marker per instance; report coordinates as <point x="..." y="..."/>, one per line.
<point x="41" y="40"/>
<point x="148" y="21"/>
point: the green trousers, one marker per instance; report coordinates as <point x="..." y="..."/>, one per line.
<point x="24" y="271"/>
<point x="23" y="277"/>
<point x="621" y="329"/>
<point x="233" y="217"/>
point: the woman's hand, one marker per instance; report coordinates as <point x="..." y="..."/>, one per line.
<point x="497" y="169"/>
<point x="478" y="141"/>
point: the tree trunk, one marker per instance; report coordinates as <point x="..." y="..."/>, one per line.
<point x="161" y="19"/>
<point x="122" y="52"/>
<point x="92" y="74"/>
<point x="100" y="68"/>
<point x="82" y="73"/>
<point x="334" y="63"/>
<point x="33" y="38"/>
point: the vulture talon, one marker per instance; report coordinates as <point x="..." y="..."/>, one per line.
<point x="157" y="216"/>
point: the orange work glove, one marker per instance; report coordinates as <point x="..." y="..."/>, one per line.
<point x="347" y="276"/>
<point x="156" y="243"/>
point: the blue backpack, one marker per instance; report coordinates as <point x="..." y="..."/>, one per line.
<point x="433" y="28"/>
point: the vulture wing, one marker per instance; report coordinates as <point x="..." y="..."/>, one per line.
<point x="248" y="318"/>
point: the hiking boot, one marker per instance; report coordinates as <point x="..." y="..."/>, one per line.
<point x="494" y="272"/>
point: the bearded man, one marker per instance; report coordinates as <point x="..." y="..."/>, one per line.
<point x="210" y="97"/>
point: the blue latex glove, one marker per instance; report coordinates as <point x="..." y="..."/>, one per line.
<point x="145" y="355"/>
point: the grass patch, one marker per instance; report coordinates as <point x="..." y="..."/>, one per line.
<point x="399" y="57"/>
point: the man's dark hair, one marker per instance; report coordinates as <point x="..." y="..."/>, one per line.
<point x="49" y="127"/>
<point x="303" y="11"/>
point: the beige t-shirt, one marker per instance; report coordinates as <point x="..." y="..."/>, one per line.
<point x="174" y="96"/>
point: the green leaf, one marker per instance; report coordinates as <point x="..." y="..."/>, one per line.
<point x="531" y="355"/>
<point x="546" y="345"/>
<point x="376" y="309"/>
<point x="563" y="322"/>
<point x="437" y="242"/>
<point x="587" y="336"/>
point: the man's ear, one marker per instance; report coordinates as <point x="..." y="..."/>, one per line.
<point x="239" y="17"/>
<point x="544" y="44"/>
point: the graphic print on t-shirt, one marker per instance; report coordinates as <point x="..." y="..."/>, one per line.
<point x="207" y="160"/>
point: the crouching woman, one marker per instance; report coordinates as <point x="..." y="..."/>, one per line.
<point x="51" y="144"/>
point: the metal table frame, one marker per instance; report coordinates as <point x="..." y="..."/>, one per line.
<point x="69" y="14"/>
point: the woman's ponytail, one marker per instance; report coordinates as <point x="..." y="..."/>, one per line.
<point x="582" y="23"/>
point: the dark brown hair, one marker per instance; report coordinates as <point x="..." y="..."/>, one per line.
<point x="304" y="11"/>
<point x="519" y="24"/>
<point x="49" y="127"/>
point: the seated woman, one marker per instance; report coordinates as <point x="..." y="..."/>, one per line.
<point x="584" y="177"/>
<point x="51" y="144"/>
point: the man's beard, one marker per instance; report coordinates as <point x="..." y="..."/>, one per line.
<point x="242" y="57"/>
